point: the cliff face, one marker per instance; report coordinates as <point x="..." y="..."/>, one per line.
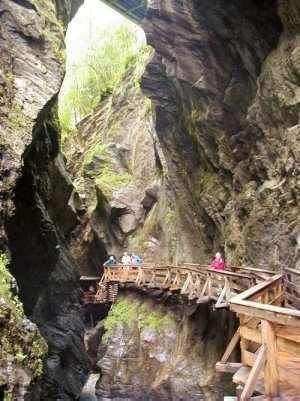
<point x="225" y="84"/>
<point x="161" y="352"/>
<point x="219" y="170"/>
<point x="35" y="188"/>
<point x="122" y="189"/>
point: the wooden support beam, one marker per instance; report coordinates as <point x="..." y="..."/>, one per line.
<point x="289" y="317"/>
<point x="228" y="367"/>
<point x="271" y="376"/>
<point x="254" y="374"/>
<point x="230" y="347"/>
<point x="204" y="288"/>
<point x="222" y="295"/>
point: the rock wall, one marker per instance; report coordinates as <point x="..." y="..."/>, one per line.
<point x="35" y="216"/>
<point x="122" y="189"/>
<point x="153" y="350"/>
<point x="22" y="348"/>
<point x="225" y="84"/>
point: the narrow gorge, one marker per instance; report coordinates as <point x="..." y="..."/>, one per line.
<point x="184" y="145"/>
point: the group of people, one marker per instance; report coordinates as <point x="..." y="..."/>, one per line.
<point x="126" y="259"/>
<point x="217" y="263"/>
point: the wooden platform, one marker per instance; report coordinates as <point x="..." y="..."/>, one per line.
<point x="269" y="340"/>
<point x="266" y="304"/>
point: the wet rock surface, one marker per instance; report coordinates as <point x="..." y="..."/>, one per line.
<point x="136" y="211"/>
<point x="35" y="217"/>
<point x="227" y="119"/>
<point x="155" y="352"/>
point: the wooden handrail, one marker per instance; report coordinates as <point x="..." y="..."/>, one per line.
<point x="292" y="271"/>
<point x="257" y="288"/>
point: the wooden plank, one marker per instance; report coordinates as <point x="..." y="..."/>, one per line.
<point x="89" y="278"/>
<point x="230" y="347"/>
<point x="254" y="374"/>
<point x="289" y="333"/>
<point x="289" y="373"/>
<point x="271" y="377"/>
<point x="289" y="347"/>
<point x="248" y="358"/>
<point x="250" y="334"/>
<point x="254" y="269"/>
<point x="272" y="313"/>
<point x="229" y="274"/>
<point x="221" y="296"/>
<point x="293" y="271"/>
<point x="228" y="367"/>
<point x="258" y="288"/>
<point x="204" y="288"/>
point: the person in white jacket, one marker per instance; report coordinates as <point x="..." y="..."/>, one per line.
<point x="126" y="259"/>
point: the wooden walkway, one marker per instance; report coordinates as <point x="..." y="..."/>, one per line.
<point x="266" y="304"/>
<point x="194" y="282"/>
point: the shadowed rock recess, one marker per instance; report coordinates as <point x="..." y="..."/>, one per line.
<point x="35" y="189"/>
<point x="213" y="165"/>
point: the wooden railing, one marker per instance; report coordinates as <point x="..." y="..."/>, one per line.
<point x="196" y="282"/>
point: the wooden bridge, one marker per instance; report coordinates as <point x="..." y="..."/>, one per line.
<point x="266" y="304"/>
<point x="192" y="281"/>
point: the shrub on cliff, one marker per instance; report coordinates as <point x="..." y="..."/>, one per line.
<point x="5" y="277"/>
<point x="97" y="74"/>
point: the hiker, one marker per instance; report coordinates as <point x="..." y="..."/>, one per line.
<point x="136" y="260"/>
<point x="218" y="263"/>
<point x="111" y="261"/>
<point x="126" y="259"/>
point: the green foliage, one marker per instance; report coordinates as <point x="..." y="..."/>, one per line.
<point x="109" y="181"/>
<point x="5" y="278"/>
<point x="156" y="320"/>
<point x="97" y="151"/>
<point x="123" y="312"/>
<point x="208" y="183"/>
<point x="130" y="312"/>
<point x="7" y="396"/>
<point x="99" y="73"/>
<point x="105" y="176"/>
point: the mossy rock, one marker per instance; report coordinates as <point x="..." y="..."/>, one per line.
<point x="129" y="312"/>
<point x="20" y="340"/>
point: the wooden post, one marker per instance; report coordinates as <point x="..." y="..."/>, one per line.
<point x="271" y="377"/>
<point x="254" y="374"/>
<point x="230" y="347"/>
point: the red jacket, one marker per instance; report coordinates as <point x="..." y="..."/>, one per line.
<point x="218" y="264"/>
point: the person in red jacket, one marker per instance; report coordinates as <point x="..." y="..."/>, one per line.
<point x="218" y="262"/>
